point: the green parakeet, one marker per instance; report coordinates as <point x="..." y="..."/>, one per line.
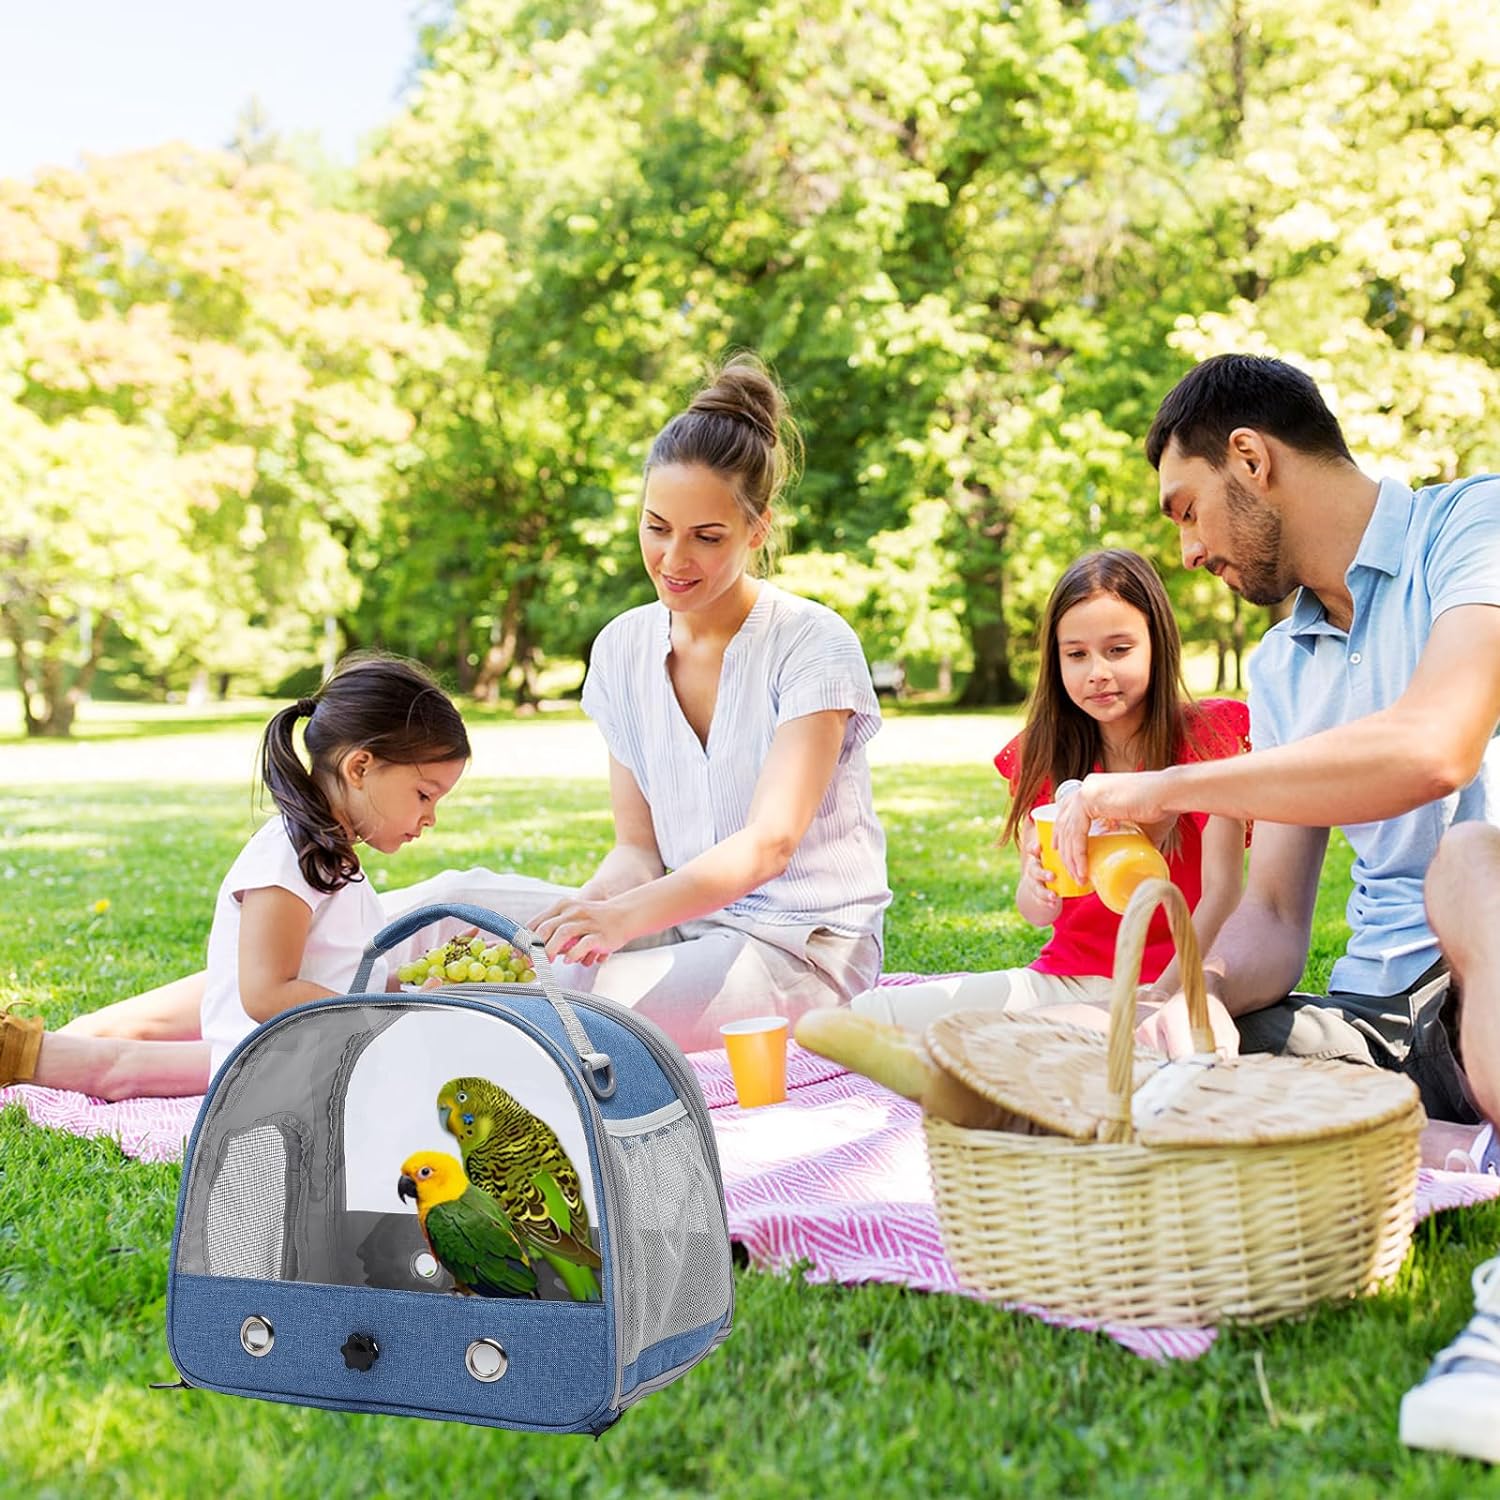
<point x="518" y="1158"/>
<point x="465" y="1228"/>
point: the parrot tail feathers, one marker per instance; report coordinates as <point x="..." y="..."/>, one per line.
<point x="582" y="1284"/>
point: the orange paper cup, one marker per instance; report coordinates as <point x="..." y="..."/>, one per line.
<point x="1063" y="883"/>
<point x="757" y="1058"/>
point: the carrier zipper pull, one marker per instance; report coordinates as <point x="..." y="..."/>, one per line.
<point x="169" y="1385"/>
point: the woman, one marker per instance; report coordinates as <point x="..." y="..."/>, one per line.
<point x="747" y="875"/>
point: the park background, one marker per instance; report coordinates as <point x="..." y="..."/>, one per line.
<point x="261" y="404"/>
<point x="266" y="402"/>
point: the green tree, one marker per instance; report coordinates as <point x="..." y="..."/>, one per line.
<point x="229" y="348"/>
<point x="905" y="206"/>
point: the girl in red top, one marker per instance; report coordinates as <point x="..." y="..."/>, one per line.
<point x="1109" y="697"/>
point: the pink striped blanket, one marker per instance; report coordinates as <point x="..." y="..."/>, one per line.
<point x="835" y="1179"/>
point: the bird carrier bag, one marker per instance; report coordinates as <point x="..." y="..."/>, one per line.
<point x="493" y="1203"/>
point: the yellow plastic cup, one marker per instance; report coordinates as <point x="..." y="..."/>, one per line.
<point x="1063" y="883"/>
<point x="757" y="1058"/>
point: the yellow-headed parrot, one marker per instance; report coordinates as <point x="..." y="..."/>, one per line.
<point x="517" y="1158"/>
<point x="465" y="1228"/>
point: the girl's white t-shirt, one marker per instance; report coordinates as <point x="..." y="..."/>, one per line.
<point x="343" y="922"/>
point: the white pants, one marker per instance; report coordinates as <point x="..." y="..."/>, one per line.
<point x="914" y="1007"/>
<point x="690" y="979"/>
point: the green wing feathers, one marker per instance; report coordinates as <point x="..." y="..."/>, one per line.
<point x="478" y="1246"/>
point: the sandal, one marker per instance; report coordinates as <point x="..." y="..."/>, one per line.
<point x="1483" y="1155"/>
<point x="20" y="1046"/>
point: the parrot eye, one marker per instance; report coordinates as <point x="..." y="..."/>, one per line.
<point x="463" y="1098"/>
<point x="425" y="1172"/>
<point x="468" y="1119"/>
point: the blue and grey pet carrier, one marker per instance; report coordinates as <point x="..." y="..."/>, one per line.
<point x="494" y="1204"/>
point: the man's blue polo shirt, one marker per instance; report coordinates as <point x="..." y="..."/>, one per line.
<point x="1421" y="554"/>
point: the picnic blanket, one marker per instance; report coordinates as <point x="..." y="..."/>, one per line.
<point x="834" y="1180"/>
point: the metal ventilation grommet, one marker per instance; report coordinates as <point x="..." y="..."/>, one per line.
<point x="485" y="1360"/>
<point x="256" y="1336"/>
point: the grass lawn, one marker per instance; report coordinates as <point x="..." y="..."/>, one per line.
<point x="820" y="1391"/>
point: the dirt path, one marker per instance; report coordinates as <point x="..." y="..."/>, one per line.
<point x="570" y="750"/>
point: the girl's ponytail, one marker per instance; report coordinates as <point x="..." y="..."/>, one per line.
<point x="384" y="704"/>
<point x="325" y="851"/>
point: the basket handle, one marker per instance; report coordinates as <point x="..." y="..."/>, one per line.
<point x="1130" y="946"/>
<point x="598" y="1070"/>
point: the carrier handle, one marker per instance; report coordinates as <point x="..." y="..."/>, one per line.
<point x="598" y="1069"/>
<point x="1130" y="946"/>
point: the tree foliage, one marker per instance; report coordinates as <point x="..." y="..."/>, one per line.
<point x="977" y="243"/>
<point x="197" y="372"/>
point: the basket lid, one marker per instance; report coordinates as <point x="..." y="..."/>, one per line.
<point x="1056" y="1074"/>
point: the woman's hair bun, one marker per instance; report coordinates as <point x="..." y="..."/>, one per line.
<point x="744" y="389"/>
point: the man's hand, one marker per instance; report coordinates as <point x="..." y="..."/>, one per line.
<point x="584" y="932"/>
<point x="1131" y="797"/>
<point x="1168" y="1031"/>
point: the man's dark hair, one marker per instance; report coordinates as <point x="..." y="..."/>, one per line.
<point x="1244" y="390"/>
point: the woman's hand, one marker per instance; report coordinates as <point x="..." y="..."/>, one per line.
<point x="1126" y="796"/>
<point x="584" y="932"/>
<point x="1070" y="835"/>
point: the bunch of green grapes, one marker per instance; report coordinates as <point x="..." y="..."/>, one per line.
<point x="470" y="961"/>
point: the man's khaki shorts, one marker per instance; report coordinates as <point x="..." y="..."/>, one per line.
<point x="1414" y="1032"/>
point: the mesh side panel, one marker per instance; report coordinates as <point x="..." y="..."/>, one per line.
<point x="245" y="1224"/>
<point x="675" y="1268"/>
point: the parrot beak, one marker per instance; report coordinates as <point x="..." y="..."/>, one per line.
<point x="406" y="1188"/>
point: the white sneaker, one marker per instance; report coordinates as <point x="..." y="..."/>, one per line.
<point x="1456" y="1409"/>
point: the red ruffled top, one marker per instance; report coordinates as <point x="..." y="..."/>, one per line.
<point x="1083" y="939"/>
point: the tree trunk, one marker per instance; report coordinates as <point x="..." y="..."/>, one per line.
<point x="992" y="680"/>
<point x="985" y="518"/>
<point x="45" y="677"/>
<point x="504" y="636"/>
<point x="462" y="650"/>
<point x="524" y="676"/>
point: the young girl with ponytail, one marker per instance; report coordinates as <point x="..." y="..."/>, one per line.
<point x="294" y="913"/>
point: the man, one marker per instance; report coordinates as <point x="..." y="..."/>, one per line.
<point x="1373" y="707"/>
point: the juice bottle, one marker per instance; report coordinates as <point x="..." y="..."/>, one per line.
<point x="1120" y="858"/>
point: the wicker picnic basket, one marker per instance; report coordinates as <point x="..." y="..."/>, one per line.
<point x="1168" y="1194"/>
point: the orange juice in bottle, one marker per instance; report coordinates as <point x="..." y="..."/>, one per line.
<point x="1120" y="858"/>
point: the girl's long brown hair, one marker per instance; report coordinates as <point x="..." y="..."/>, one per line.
<point x="1060" y="741"/>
